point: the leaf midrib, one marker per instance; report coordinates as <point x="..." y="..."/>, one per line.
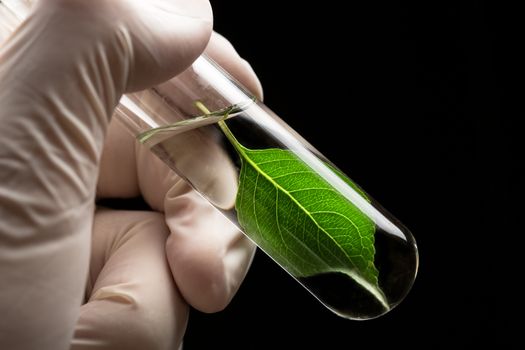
<point x="368" y="285"/>
<point x="241" y="149"/>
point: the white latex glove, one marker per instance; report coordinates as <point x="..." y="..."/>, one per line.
<point x="61" y="75"/>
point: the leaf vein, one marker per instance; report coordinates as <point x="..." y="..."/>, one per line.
<point x="307" y="213"/>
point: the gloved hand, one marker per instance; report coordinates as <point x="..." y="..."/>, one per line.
<point x="61" y="75"/>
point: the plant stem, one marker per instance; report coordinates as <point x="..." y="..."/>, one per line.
<point x="222" y="125"/>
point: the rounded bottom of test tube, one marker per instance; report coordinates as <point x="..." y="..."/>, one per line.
<point x="397" y="262"/>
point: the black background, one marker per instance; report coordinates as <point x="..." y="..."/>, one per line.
<point x="415" y="102"/>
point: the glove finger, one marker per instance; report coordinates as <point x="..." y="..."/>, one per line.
<point x="224" y="53"/>
<point x="168" y="36"/>
<point x="117" y="176"/>
<point x="133" y="302"/>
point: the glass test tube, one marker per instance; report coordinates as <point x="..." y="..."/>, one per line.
<point x="291" y="201"/>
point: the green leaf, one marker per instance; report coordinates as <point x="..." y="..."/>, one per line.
<point x="300" y="220"/>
